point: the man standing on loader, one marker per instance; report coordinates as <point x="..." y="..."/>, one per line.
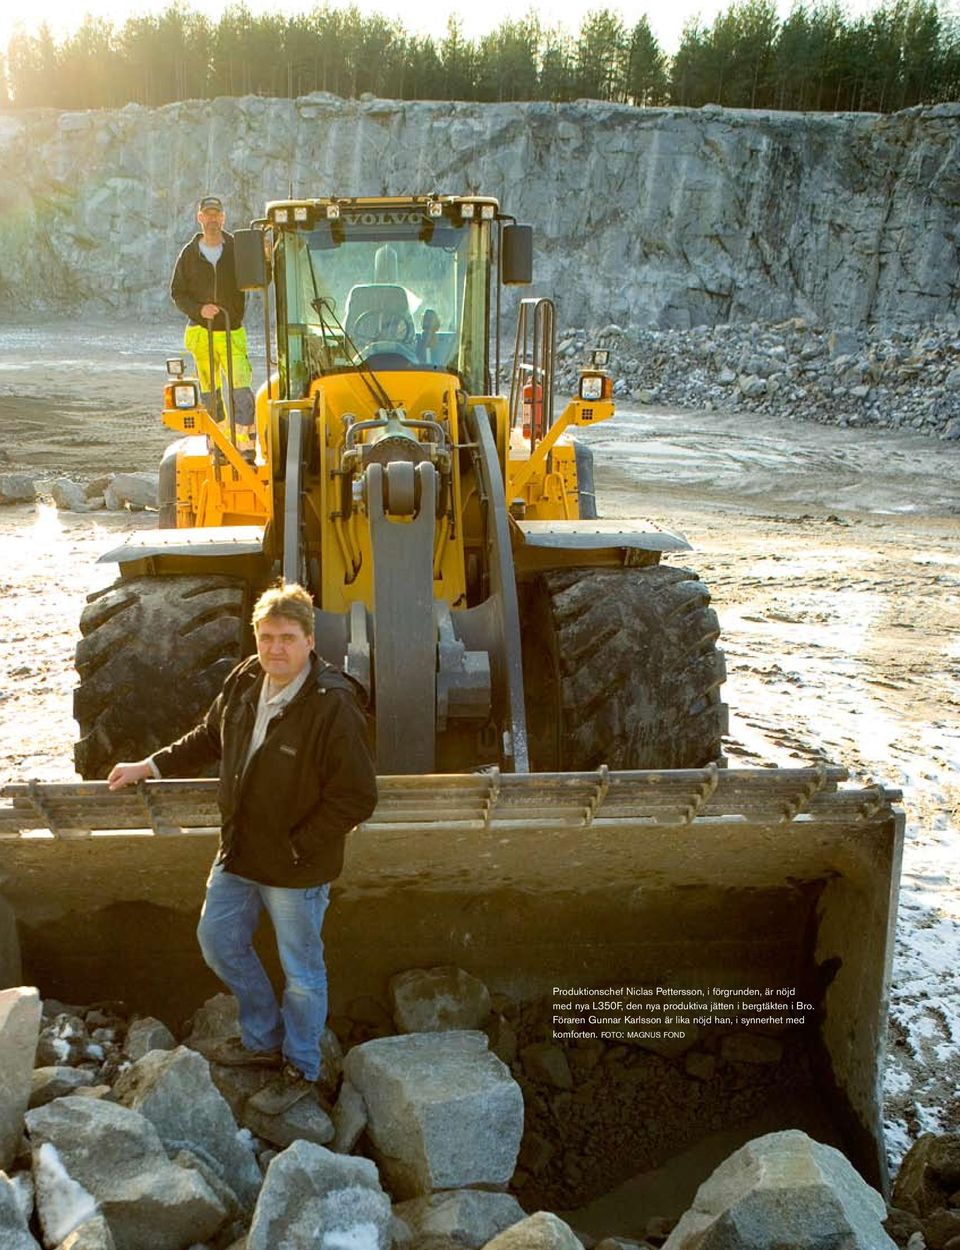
<point x="204" y="288"/>
<point x="296" y="775"/>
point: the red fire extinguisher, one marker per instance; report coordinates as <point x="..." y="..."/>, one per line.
<point x="533" y="410"/>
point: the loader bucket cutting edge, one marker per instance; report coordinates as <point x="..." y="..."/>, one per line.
<point x="704" y="878"/>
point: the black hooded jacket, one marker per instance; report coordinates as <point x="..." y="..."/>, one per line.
<point x="196" y="282"/>
<point x="286" y="815"/>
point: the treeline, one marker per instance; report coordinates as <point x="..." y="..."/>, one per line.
<point x="906" y="52"/>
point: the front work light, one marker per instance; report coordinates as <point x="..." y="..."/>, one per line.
<point x="175" y="366"/>
<point x="181" y="395"/>
<point x="595" y="386"/>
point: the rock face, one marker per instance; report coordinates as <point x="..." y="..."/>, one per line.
<point x="784" y="1189"/>
<point x="443" y="1112"/>
<point x="19" y="1030"/>
<point x="676" y="217"/>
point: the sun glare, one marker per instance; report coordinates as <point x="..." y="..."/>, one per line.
<point x="47" y="528"/>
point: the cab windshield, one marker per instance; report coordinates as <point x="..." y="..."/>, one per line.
<point x="397" y="290"/>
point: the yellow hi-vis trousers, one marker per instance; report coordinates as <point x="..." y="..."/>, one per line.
<point x="196" y="341"/>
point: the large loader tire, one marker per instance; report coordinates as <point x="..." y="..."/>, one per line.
<point x="621" y="668"/>
<point x="153" y="655"/>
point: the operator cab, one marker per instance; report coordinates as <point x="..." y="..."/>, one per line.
<point x="390" y="287"/>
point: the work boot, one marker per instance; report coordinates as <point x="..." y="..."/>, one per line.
<point x="232" y="1053"/>
<point x="282" y="1091"/>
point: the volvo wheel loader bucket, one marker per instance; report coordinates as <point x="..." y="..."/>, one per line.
<point x="680" y="893"/>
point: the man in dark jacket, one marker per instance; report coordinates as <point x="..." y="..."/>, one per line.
<point x="296" y="775"/>
<point x="204" y="288"/>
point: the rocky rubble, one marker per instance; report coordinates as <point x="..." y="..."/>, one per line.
<point x="131" y="1149"/>
<point x="115" y="492"/>
<point x="898" y="378"/>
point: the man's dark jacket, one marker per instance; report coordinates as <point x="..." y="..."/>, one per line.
<point x="196" y="282"/>
<point x="285" y="816"/>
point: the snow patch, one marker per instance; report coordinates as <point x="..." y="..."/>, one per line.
<point x="63" y="1203"/>
<point x="359" y="1237"/>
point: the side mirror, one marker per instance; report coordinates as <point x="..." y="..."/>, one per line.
<point x="250" y="259"/>
<point x="516" y="255"/>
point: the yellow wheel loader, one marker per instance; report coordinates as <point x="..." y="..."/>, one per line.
<point x="544" y="691"/>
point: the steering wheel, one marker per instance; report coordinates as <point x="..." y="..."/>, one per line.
<point x="377" y="326"/>
<point x="388" y="347"/>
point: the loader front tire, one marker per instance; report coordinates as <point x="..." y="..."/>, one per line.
<point x="153" y="655"/>
<point x="621" y="667"/>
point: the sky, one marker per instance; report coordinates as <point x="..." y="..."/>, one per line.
<point x="667" y="17"/>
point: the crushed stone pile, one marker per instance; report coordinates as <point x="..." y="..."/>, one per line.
<point x="896" y="378"/>
<point x="114" y="1136"/>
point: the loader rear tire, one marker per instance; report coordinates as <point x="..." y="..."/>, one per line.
<point x="621" y="667"/>
<point x="153" y="655"/>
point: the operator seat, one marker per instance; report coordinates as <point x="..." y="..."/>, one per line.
<point x="379" y="304"/>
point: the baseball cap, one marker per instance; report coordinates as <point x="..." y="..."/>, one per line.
<point x="210" y="201"/>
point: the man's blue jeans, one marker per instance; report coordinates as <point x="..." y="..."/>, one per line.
<point x="228" y="921"/>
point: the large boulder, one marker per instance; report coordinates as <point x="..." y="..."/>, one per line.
<point x="312" y="1197"/>
<point x="134" y="490"/>
<point x="17" y="488"/>
<point x="14" y="1234"/>
<point x="430" y="1000"/>
<point x="117" y="1156"/>
<point x="19" y="1031"/>
<point x="146" y="1034"/>
<point x="58" y="1081"/>
<point x="443" y="1112"/>
<point x="458" y="1219"/>
<point x="304" y="1121"/>
<point x="929" y="1174"/>
<point x="543" y="1231"/>
<point x="70" y="496"/>
<point x="349" y="1118"/>
<point x="93" y="1234"/>
<point x="173" y="1089"/>
<point x="63" y="1203"/>
<point x="216" y="1019"/>
<point x="784" y="1189"/>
